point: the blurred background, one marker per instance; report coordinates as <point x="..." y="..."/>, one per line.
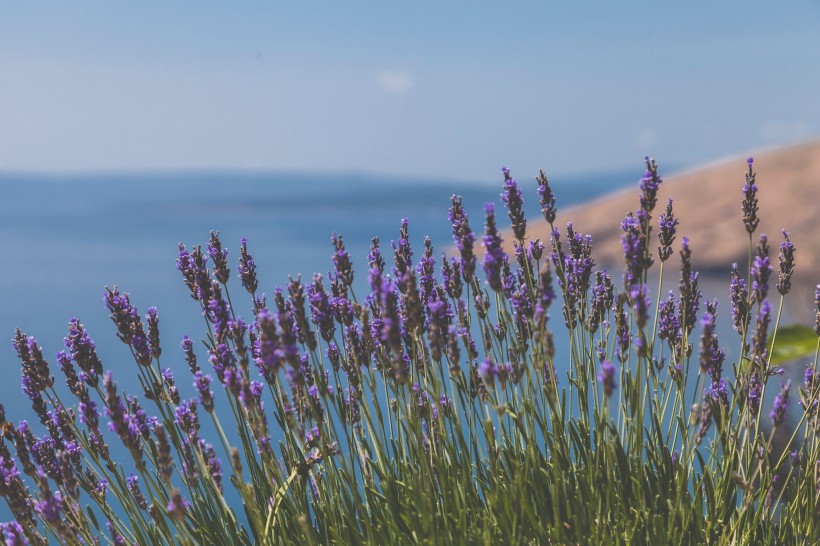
<point x="127" y="128"/>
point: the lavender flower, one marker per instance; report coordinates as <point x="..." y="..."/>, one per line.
<point x="217" y="312"/>
<point x="153" y="331"/>
<point x="515" y="205"/>
<point x="341" y="261"/>
<point x="750" y="208"/>
<point x="402" y="253"/>
<point x="213" y="463"/>
<point x="689" y="293"/>
<point x="781" y="405"/>
<point x="761" y="270"/>
<point x="134" y="488"/>
<point x="753" y="392"/>
<point x="640" y="304"/>
<point x="633" y="242"/>
<point x="83" y="352"/>
<point x="668" y="323"/>
<point x="374" y="257"/>
<point x="50" y="505"/>
<point x="607" y="378"/>
<point x="195" y="272"/>
<point x="817" y="304"/>
<point x="116" y="537"/>
<point x="621" y="329"/>
<point x="219" y="257"/>
<point x="187" y="419"/>
<point x="784" y="283"/>
<point x="494" y="255"/>
<point x="75" y="385"/>
<point x="650" y="183"/>
<point x="451" y="277"/>
<point x="760" y="340"/>
<point x="122" y="422"/>
<point x="547" y="197"/>
<point x="165" y="464"/>
<point x="321" y="313"/>
<point x="426" y="269"/>
<point x="463" y="237"/>
<point x="202" y="384"/>
<point x="13" y="534"/>
<point x="739" y="295"/>
<point x="535" y="249"/>
<point x="36" y="374"/>
<point x="668" y="225"/>
<point x="247" y="268"/>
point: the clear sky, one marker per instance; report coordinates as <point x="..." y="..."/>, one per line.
<point x="403" y="88"/>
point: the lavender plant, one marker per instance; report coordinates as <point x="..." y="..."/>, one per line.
<point x="434" y="409"/>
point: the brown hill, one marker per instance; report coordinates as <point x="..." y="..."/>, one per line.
<point x="707" y="201"/>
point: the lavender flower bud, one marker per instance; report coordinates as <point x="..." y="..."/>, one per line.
<point x="494" y="255"/>
<point x="165" y="464"/>
<point x="247" y="268"/>
<point x="463" y="237"/>
<point x="213" y="463"/>
<point x="689" y="293"/>
<point x="36" y="375"/>
<point x="402" y="253"/>
<point x="321" y="312"/>
<point x="740" y="301"/>
<point x="14" y="534"/>
<point x="640" y="304"/>
<point x="760" y="340"/>
<point x="607" y="378"/>
<point x="136" y="494"/>
<point x="50" y="505"/>
<point x="515" y="205"/>
<point x="83" y="351"/>
<point x="217" y="312"/>
<point x="749" y="204"/>
<point x="547" y="197"/>
<point x="781" y="405"/>
<point x="633" y="242"/>
<point x="75" y="385"/>
<point x="153" y="331"/>
<point x="116" y="537"/>
<point x="817" y="317"/>
<point x="761" y="270"/>
<point x="668" y="225"/>
<point x="426" y="269"/>
<point x="341" y="261"/>
<point x="297" y="300"/>
<point x="535" y="249"/>
<point x="187" y="419"/>
<point x="374" y="257"/>
<point x="784" y="283"/>
<point x="219" y="257"/>
<point x="650" y="183"/>
<point x="753" y="392"/>
<point x="195" y="272"/>
<point x="202" y="384"/>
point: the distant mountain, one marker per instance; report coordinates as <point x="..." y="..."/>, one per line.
<point x="708" y="202"/>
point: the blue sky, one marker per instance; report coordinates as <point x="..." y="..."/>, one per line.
<point x="411" y="89"/>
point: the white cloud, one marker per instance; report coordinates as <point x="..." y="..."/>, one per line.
<point x="394" y="82"/>
<point x="784" y="130"/>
